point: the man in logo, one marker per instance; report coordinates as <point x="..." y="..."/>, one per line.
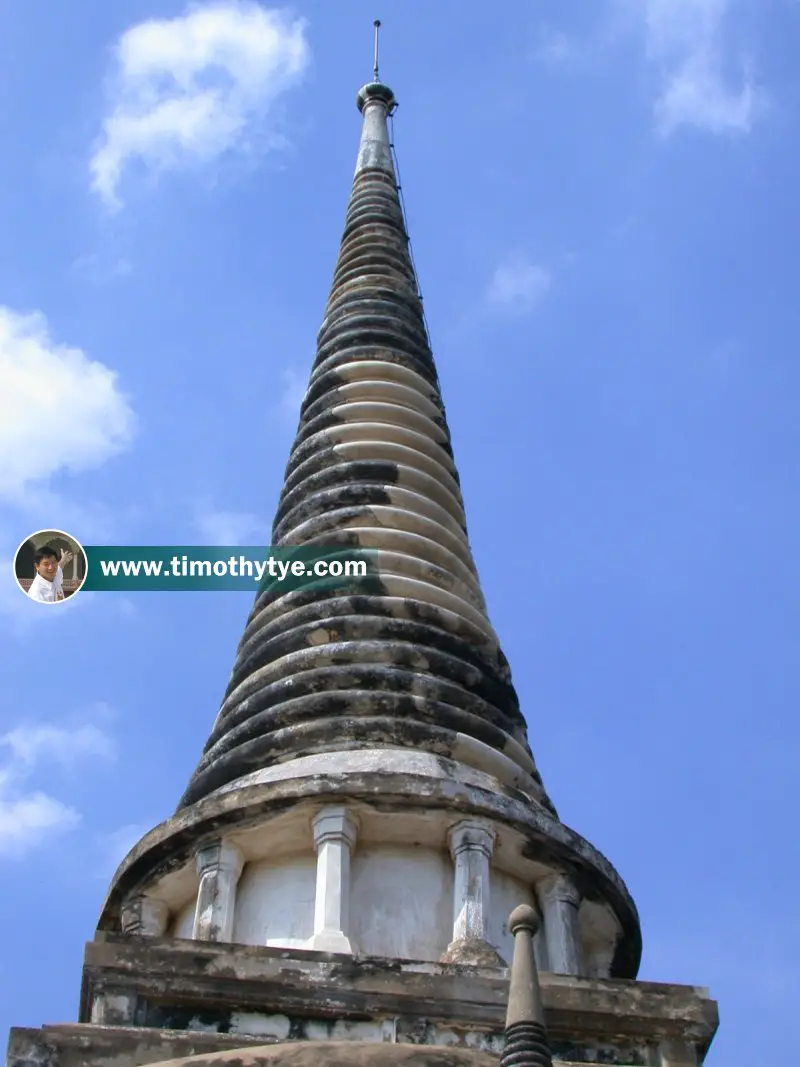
<point x="48" y="585"/>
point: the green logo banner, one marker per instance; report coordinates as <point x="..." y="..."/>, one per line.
<point x="177" y="568"/>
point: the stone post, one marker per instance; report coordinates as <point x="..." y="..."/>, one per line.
<point x="471" y="845"/>
<point x="559" y="901"/>
<point x="143" y="916"/>
<point x="526" y="1043"/>
<point x="335" y="832"/>
<point x="219" y="866"/>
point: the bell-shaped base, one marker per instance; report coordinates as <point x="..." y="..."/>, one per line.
<point x="339" y="1054"/>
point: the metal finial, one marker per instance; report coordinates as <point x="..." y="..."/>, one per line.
<point x="377" y="25"/>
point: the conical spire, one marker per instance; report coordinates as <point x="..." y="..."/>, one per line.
<point x="410" y="660"/>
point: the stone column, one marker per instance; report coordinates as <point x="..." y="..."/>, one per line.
<point x="335" y="831"/>
<point x="143" y="916"/>
<point x="559" y="901"/>
<point x="219" y="866"/>
<point x="471" y="845"/>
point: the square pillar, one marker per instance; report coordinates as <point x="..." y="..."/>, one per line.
<point x="471" y="845"/>
<point x="335" y="832"/>
<point x="219" y="866"/>
<point x="559" y="901"/>
<point x="143" y="916"/>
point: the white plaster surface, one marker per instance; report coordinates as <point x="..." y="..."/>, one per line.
<point x="559" y="902"/>
<point x="507" y="894"/>
<point x="275" y="903"/>
<point x="349" y="1030"/>
<point x="184" y="921"/>
<point x="402" y="888"/>
<point x="401" y="902"/>
<point x="274" y="1026"/>
<point x="598" y="932"/>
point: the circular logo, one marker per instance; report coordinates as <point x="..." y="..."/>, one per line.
<point x="50" y="566"/>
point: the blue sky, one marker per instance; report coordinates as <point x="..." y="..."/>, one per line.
<point x="602" y="203"/>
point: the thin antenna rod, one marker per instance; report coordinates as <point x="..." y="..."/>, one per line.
<point x="377" y="25"/>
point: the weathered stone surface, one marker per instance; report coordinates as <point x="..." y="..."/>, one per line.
<point x="406" y="662"/>
<point x="544" y="839"/>
<point x="298" y="995"/>
<point x="84" y="1045"/>
<point x="410" y="658"/>
<point x="340" y="1054"/>
<point x="472" y="952"/>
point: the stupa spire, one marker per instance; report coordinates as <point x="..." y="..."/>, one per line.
<point x="410" y="660"/>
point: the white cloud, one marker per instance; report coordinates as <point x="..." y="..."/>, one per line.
<point x="26" y="821"/>
<point x="685" y="43"/>
<point x="115" y="846"/>
<point x="187" y="90"/>
<point x="93" y="267"/>
<point x="519" y="285"/>
<point x="29" y="816"/>
<point x="58" y="409"/>
<point x="30" y="745"/>
<point x="217" y="527"/>
<point x="292" y="394"/>
<point x="553" y="47"/>
<point x="124" y="608"/>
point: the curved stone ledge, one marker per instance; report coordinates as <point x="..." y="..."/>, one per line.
<point x="429" y="784"/>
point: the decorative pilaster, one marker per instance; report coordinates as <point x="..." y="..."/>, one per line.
<point x="335" y="832"/>
<point x="526" y="1037"/>
<point x="471" y="845"/>
<point x="143" y="916"/>
<point x="559" y="901"/>
<point x="219" y="866"/>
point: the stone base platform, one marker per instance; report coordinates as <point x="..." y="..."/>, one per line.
<point x="151" y="1000"/>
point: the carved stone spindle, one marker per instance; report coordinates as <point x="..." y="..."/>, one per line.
<point x="526" y="1037"/>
